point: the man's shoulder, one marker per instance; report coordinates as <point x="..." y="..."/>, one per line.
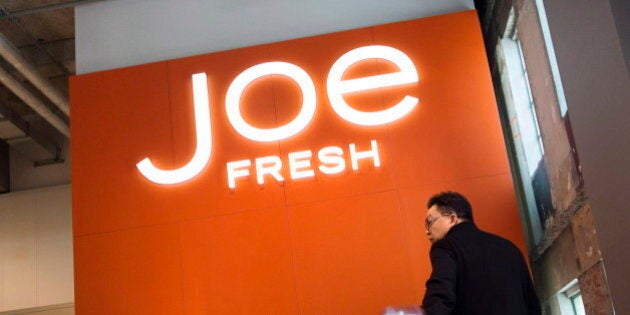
<point x="496" y="238"/>
<point x="470" y="233"/>
<point x="501" y="242"/>
<point x="443" y="245"/>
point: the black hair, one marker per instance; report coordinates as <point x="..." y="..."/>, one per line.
<point x="452" y="202"/>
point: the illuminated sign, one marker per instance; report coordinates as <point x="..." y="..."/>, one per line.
<point x="331" y="159"/>
<point x="204" y="141"/>
<point x="300" y="166"/>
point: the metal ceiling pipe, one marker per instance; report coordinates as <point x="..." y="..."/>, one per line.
<point x="13" y="56"/>
<point x="33" y="102"/>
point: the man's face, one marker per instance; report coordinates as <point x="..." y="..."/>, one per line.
<point x="438" y="224"/>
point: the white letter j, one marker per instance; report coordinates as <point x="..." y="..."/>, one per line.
<point x="204" y="141"/>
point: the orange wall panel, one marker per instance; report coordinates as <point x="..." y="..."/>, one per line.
<point x="135" y="271"/>
<point x="239" y="264"/>
<point x="350" y="255"/>
<point x="350" y="243"/>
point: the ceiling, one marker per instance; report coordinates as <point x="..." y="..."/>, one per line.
<point x="45" y="38"/>
<point x="39" y="36"/>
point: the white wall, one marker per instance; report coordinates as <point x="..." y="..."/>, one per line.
<point x="117" y="33"/>
<point x="64" y="309"/>
<point x="36" y="248"/>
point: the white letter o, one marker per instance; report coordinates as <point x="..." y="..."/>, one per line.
<point x="240" y="83"/>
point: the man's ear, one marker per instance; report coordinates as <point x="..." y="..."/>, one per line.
<point x="455" y="219"/>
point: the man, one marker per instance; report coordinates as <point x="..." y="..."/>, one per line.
<point x="474" y="272"/>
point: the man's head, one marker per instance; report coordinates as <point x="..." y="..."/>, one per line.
<point x="446" y="210"/>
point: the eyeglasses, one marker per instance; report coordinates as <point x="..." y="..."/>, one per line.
<point x="429" y="220"/>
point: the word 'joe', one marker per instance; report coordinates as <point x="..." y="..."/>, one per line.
<point x="299" y="162"/>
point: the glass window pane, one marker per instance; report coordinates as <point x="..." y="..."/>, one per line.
<point x="578" y="305"/>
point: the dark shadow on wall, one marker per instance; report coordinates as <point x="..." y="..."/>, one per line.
<point x="542" y="193"/>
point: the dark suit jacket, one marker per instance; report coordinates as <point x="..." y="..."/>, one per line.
<point x="475" y="272"/>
